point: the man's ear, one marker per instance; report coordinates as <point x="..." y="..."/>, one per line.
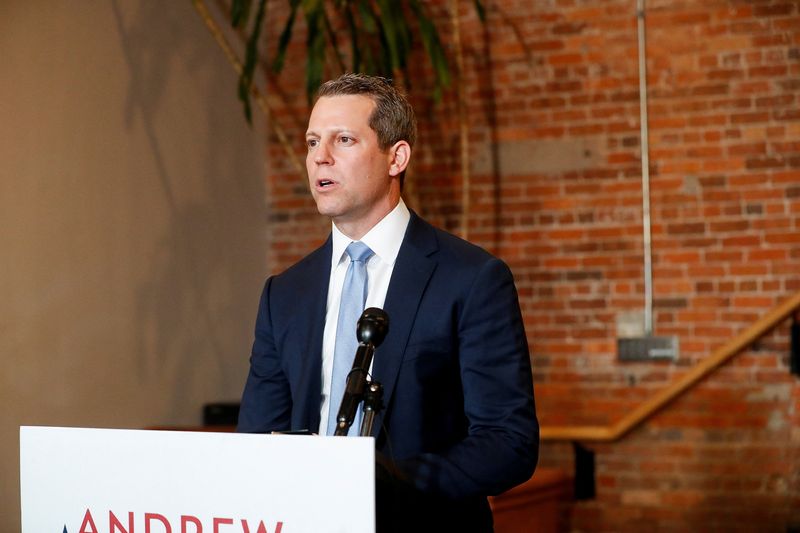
<point x="400" y="156"/>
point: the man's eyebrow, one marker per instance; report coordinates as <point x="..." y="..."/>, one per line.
<point x="334" y="131"/>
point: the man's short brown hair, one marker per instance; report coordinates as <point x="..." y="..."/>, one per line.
<point x="392" y="119"/>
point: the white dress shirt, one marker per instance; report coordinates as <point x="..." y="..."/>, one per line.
<point x="384" y="239"/>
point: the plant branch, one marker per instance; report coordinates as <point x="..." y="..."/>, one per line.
<point x="273" y="122"/>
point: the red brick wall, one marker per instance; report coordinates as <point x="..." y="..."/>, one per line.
<point x="553" y="106"/>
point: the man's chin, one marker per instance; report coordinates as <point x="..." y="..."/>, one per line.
<point x="327" y="210"/>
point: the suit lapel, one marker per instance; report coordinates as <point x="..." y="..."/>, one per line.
<point x="314" y="296"/>
<point x="410" y="278"/>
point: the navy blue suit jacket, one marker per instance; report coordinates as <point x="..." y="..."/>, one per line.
<point x="459" y="417"/>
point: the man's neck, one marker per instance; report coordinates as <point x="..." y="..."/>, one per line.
<point x="360" y="226"/>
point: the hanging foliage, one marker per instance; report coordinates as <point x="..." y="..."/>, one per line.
<point x="378" y="33"/>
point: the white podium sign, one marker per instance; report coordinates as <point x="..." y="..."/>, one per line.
<point x="80" y="480"/>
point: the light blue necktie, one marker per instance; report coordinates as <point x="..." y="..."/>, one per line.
<point x="354" y="297"/>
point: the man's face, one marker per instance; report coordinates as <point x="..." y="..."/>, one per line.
<point x="352" y="180"/>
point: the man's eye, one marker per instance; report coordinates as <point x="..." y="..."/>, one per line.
<point x="311" y="143"/>
<point x="345" y="139"/>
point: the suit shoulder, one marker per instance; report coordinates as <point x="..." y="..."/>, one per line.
<point x="309" y="265"/>
<point x="461" y="251"/>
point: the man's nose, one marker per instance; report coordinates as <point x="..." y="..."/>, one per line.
<point x="322" y="155"/>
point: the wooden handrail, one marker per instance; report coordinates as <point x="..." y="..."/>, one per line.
<point x="649" y="407"/>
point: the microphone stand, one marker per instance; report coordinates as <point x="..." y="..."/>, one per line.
<point x="373" y="403"/>
<point x="370" y="330"/>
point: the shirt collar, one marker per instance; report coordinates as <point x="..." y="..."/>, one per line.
<point x="384" y="238"/>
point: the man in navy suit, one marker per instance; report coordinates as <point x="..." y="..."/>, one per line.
<point x="459" y="422"/>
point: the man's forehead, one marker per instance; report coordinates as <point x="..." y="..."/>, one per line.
<point x="341" y="112"/>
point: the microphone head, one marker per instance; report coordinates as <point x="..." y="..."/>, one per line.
<point x="372" y="326"/>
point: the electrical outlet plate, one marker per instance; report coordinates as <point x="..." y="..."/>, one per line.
<point x="647" y="348"/>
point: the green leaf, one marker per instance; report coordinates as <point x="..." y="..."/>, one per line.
<point x="286" y="36"/>
<point x="373" y="38"/>
<point x="368" y="18"/>
<point x="240" y="12"/>
<point x="334" y="41"/>
<point x="403" y="31"/>
<point x="481" y="10"/>
<point x="433" y="46"/>
<point x="315" y="45"/>
<point x="367" y="25"/>
<point x="250" y="62"/>
<point x="352" y="28"/>
<point x="390" y="33"/>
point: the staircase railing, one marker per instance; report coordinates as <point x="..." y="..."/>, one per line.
<point x="649" y="407"/>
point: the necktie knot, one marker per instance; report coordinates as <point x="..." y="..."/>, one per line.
<point x="358" y="251"/>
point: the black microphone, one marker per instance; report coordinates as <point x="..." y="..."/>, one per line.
<point x="371" y="330"/>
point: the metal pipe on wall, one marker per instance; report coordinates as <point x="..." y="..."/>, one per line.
<point x="645" y="157"/>
<point x="646" y="346"/>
